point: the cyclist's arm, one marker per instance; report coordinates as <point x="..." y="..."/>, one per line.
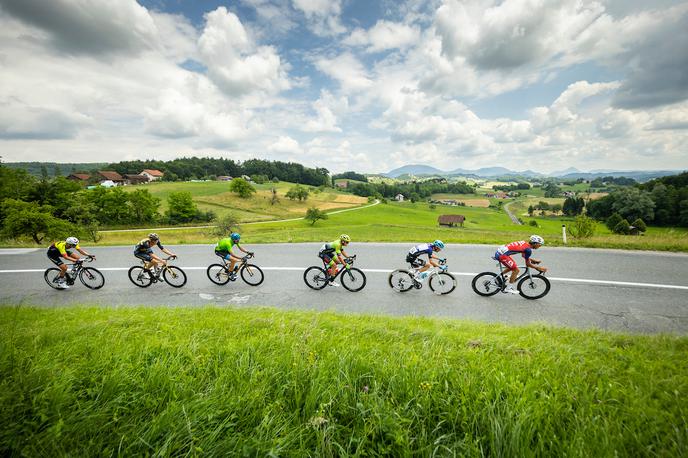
<point x="532" y="263"/>
<point x="168" y="252"/>
<point x="242" y="249"/>
<point x="82" y="251"/>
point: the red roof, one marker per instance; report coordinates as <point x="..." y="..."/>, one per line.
<point x="153" y="172"/>
<point x="80" y="176"/>
<point x="110" y="175"/>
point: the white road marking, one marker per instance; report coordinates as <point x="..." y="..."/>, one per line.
<point x="207" y="297"/>
<point x="386" y="271"/>
<point x="17" y="250"/>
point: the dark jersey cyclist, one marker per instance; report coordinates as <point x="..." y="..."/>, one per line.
<point x="504" y="252"/>
<point x="144" y="251"/>
<point x="224" y="247"/>
<point x="59" y="250"/>
<point x="414" y="257"/>
<point x="332" y="253"/>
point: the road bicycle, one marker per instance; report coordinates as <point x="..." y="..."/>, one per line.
<point x="352" y="279"/>
<point x="530" y="286"/>
<point x="439" y="280"/>
<point x="89" y="276"/>
<point x="143" y="277"/>
<point x="250" y="273"/>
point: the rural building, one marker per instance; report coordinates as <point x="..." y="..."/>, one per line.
<point x="399" y="197"/>
<point x="152" y="174"/>
<point x="108" y="184"/>
<point x="224" y="178"/>
<point x="110" y="175"/>
<point x="79" y="177"/>
<point x="451" y="220"/>
<point x="341" y="184"/>
<point x="135" y="179"/>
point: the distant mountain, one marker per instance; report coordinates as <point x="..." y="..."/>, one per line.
<point x="414" y="169"/>
<point x="640" y="176"/>
<point x="561" y="173"/>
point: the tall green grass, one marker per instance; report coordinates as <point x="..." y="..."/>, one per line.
<point x="260" y="382"/>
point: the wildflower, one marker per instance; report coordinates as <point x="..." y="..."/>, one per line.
<point x="318" y="421"/>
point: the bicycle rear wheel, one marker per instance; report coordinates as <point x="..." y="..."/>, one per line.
<point x="51" y="277"/>
<point x="140" y="276"/>
<point x="174" y="276"/>
<point x="533" y="287"/>
<point x="315" y="277"/>
<point x="91" y="278"/>
<point x="252" y="274"/>
<point x="486" y="284"/>
<point x="442" y="283"/>
<point x="401" y="280"/>
<point x="217" y="273"/>
<point x="353" y="279"/>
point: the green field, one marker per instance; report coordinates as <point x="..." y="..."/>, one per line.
<point x="261" y="382"/>
<point x="215" y="196"/>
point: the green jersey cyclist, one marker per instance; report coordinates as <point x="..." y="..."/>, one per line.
<point x="333" y="253"/>
<point x="61" y="250"/>
<point x="223" y="249"/>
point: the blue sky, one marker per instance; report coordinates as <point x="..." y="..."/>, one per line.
<point x="348" y="84"/>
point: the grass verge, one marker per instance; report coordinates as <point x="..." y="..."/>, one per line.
<point x="221" y="382"/>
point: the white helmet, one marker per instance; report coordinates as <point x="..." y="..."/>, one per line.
<point x="537" y="239"/>
<point x="72" y="241"/>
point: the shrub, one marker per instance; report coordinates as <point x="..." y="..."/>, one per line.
<point x="582" y="228"/>
<point x="226" y="225"/>
<point x="313" y="215"/>
<point x="533" y="223"/>
<point x="241" y="187"/>
<point x="622" y="227"/>
<point x="640" y="225"/>
<point x="613" y="221"/>
<point x="432" y="206"/>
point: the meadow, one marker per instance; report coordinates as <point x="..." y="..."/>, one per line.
<point x="83" y="381"/>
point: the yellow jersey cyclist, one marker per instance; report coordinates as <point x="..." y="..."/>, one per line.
<point x="333" y="253"/>
<point x="429" y="249"/>
<point x="60" y="250"/>
<point x="223" y="249"/>
<point x="144" y="251"/>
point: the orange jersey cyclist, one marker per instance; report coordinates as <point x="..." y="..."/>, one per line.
<point x="414" y="258"/>
<point x="333" y="253"/>
<point x="504" y="252"/>
<point x="60" y="250"/>
<point x="144" y="251"/>
<point x="223" y="249"/>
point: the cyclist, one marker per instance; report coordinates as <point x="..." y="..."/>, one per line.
<point x="503" y="255"/>
<point x="332" y="253"/>
<point x="144" y="251"/>
<point x="223" y="249"/>
<point x="419" y="265"/>
<point x="61" y="250"/>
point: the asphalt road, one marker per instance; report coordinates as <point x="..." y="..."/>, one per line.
<point x="628" y="291"/>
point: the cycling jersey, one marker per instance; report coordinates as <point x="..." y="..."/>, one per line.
<point x="62" y="247"/>
<point x="226" y="245"/>
<point x="146" y="245"/>
<point x="419" y="250"/>
<point x="332" y="247"/>
<point x="522" y="247"/>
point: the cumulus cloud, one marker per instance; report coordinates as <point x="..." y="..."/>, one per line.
<point x="347" y="70"/>
<point x="89" y="27"/>
<point x="21" y="121"/>
<point x="322" y="16"/>
<point x="285" y="145"/>
<point x="384" y="35"/>
<point x="325" y="108"/>
<point x="234" y="61"/>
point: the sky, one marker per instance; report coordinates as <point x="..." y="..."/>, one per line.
<point x="359" y="85"/>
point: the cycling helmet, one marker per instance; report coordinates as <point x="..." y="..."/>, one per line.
<point x="438" y="244"/>
<point x="235" y="236"/>
<point x="153" y="236"/>
<point x="537" y="239"/>
<point x="345" y="238"/>
<point x="72" y="241"/>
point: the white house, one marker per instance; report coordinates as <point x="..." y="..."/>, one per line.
<point x="108" y="184"/>
<point x="152" y="174"/>
<point x="399" y="197"/>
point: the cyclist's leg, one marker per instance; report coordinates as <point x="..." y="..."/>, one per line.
<point x="156" y="260"/>
<point x="145" y="257"/>
<point x="330" y="265"/>
<point x="232" y="261"/>
<point x="510" y="264"/>
<point x="55" y="258"/>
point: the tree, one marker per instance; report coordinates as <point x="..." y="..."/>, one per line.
<point x="556" y="208"/>
<point x="181" y="207"/>
<point x="551" y="190"/>
<point x="144" y="205"/>
<point x="573" y="206"/>
<point x="313" y="215"/>
<point x="622" y="228"/>
<point x="582" y="228"/>
<point x="273" y="196"/>
<point x="241" y="187"/>
<point x="30" y="219"/>
<point x="531" y="210"/>
<point x="640" y="225"/>
<point x="632" y="203"/>
<point x="613" y="221"/>
<point x="297" y="192"/>
<point x="225" y="225"/>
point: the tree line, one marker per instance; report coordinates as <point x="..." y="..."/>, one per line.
<point x="413" y="191"/>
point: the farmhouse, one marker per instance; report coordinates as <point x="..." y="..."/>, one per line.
<point x="135" y="179"/>
<point x="79" y="177"/>
<point x="109" y="175"/>
<point x="399" y="197"/>
<point x="152" y="174"/>
<point x="451" y="220"/>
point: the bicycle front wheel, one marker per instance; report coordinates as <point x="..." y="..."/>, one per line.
<point x="486" y="284"/>
<point x="91" y="278"/>
<point x="353" y="279"/>
<point x="140" y="276"/>
<point x="315" y="277"/>
<point x="252" y="274"/>
<point x="217" y="273"/>
<point x="52" y="277"/>
<point x="174" y="276"/>
<point x="533" y="287"/>
<point x="401" y="280"/>
<point x="442" y="283"/>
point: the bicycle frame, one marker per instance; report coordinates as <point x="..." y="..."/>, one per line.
<point x="347" y="261"/>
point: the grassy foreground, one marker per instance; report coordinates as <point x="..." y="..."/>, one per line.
<point x="260" y="382"/>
